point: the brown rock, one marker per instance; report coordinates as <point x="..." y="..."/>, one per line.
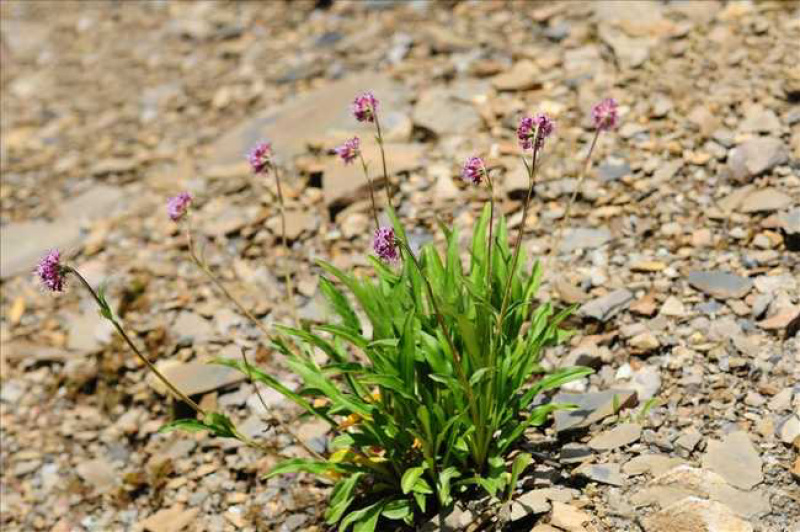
<point x="735" y="459"/>
<point x="522" y="76"/>
<point x="172" y="519"/>
<point x="569" y="518"/>
<point x="696" y="515"/>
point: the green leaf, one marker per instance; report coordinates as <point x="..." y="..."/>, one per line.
<point x="397" y="509"/>
<point x="303" y="465"/>
<point x="363" y="520"/>
<point x="220" y="425"/>
<point x="341" y="498"/>
<point x="443" y="487"/>
<point x="521" y="462"/>
<point x="340" y="305"/>
<point x="185" y="425"/>
<point x="410" y="478"/>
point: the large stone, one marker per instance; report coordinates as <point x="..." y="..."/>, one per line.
<point x="194" y="378"/>
<point x="790" y="225"/>
<point x="584" y="238"/>
<point x="603" y="473"/>
<point x="696" y="515"/>
<point x="191" y="327"/>
<point x="619" y="436"/>
<point x="569" y="518"/>
<point x="97" y="201"/>
<point x="684" y="481"/>
<point x="88" y="332"/>
<point x="765" y="200"/>
<point x="735" y="459"/>
<point x="591" y="407"/>
<point x="531" y="502"/>
<point x="756" y="156"/>
<point x="461" y="117"/>
<point x="22" y="244"/>
<point x="631" y="52"/>
<point x="758" y="119"/>
<point x="99" y="474"/>
<point x="343" y="184"/>
<point x="172" y="519"/>
<point x="721" y="285"/>
<point x="522" y="76"/>
<point x="458" y="519"/>
<point x="655" y="464"/>
<point x="607" y="306"/>
<point x="313" y="115"/>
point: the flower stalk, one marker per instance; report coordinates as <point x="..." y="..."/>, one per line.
<point x="105" y="311"/>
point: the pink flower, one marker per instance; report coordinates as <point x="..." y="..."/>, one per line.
<point x="385" y="245"/>
<point x="474" y="170"/>
<point x="260" y="158"/>
<point x="349" y="150"/>
<point x="50" y="271"/>
<point x="604" y="114"/>
<point x="541" y="126"/>
<point x="177" y="206"/>
<point x="364" y="107"/>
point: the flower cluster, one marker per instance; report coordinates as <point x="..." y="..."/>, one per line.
<point x="260" y="158"/>
<point x="178" y="206"/>
<point x="50" y="271"/>
<point x="349" y="150"/>
<point x="474" y="170"/>
<point x="532" y="131"/>
<point x="385" y="244"/>
<point x="604" y="114"/>
<point x="364" y="107"/>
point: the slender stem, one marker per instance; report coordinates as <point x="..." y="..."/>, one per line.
<point x="388" y="185"/>
<point x="100" y="303"/>
<point x="286" y="272"/>
<point x="371" y="190"/>
<point x="518" y="244"/>
<point x="491" y="227"/>
<point x="565" y="219"/>
<point x="204" y="268"/>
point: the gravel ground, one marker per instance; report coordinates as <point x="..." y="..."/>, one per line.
<point x="682" y="251"/>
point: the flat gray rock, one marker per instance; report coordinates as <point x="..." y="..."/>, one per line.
<point x="455" y="521"/>
<point x="97" y="201"/>
<point x="696" y="515"/>
<point x="735" y="459"/>
<point x="98" y="473"/>
<point x="686" y="481"/>
<point x="194" y="378"/>
<point x="765" y="200"/>
<point x="584" y="238"/>
<point x="655" y="464"/>
<point x="531" y="502"/>
<point x="607" y="306"/>
<point x="344" y="184"/>
<point x="315" y="114"/>
<point x="721" y="285"/>
<point x="191" y="327"/>
<point x="461" y="117"/>
<point x="591" y="407"/>
<point x="603" y="473"/>
<point x="572" y="453"/>
<point x="756" y="156"/>
<point x="22" y="244"/>
<point x="619" y="436"/>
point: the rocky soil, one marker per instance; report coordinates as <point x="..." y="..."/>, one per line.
<point x="683" y="250"/>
